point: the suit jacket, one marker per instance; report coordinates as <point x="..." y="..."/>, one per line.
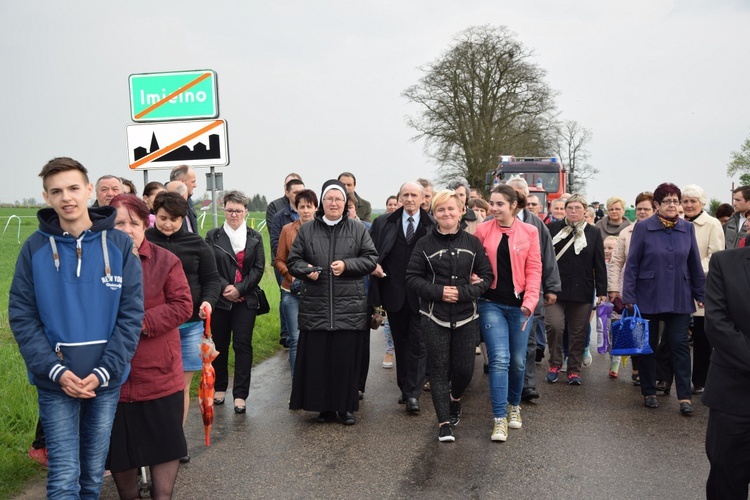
<point x="390" y="292"/>
<point x="364" y="209"/>
<point x="728" y="330"/>
<point x="191" y="216"/>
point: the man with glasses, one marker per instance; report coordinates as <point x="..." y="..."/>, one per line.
<point x="533" y="205"/>
<point x="395" y="236"/>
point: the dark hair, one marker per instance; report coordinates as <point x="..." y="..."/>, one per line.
<point x="179" y="172"/>
<point x="665" y="189"/>
<point x="152" y="186"/>
<point x="133" y="204"/>
<point x="172" y="203"/>
<point x="61" y="164"/>
<point x="352" y="198"/>
<point x="291" y="183"/>
<point x="347" y="174"/>
<point x="521" y="199"/>
<point x="307" y="195"/>
<point x="745" y="190"/>
<point x="510" y="194"/>
<point x="724" y="210"/>
<point x="391" y="197"/>
<point x="645" y="196"/>
<point x="478" y="203"/>
<point x="129" y="183"/>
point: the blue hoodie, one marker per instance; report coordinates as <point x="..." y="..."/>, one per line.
<point x="77" y="304"/>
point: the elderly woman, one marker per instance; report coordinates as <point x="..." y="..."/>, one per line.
<point x="306" y="202"/>
<point x="240" y="261"/>
<point x="663" y="276"/>
<point x="440" y="273"/>
<point x="644" y="208"/>
<point x="147" y="429"/>
<point x="199" y="264"/>
<point x="615" y="220"/>
<point x="480" y="207"/>
<point x="333" y="311"/>
<point x="583" y="273"/>
<point x="710" y="237"/>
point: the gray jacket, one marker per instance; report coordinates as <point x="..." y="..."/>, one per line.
<point x="550" y="272"/>
<point x="733" y="232"/>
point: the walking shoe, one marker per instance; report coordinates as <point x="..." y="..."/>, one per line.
<point x="553" y="374"/>
<point x="564" y="366"/>
<point x="686" y="407"/>
<point x="39" y="455"/>
<point x="697" y="389"/>
<point x="587" y="359"/>
<point x="529" y="394"/>
<point x="574" y="379"/>
<point x="445" y="434"/>
<point x="651" y="402"/>
<point x="455" y="412"/>
<point x="636" y="378"/>
<point x="514" y="417"/>
<point x="500" y="430"/>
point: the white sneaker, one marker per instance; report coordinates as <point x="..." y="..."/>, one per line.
<point x="500" y="430"/>
<point x="514" y="417"/>
<point x="587" y="359"/>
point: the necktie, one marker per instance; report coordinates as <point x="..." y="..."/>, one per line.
<point x="410" y="229"/>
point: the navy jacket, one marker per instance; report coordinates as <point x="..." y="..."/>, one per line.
<point x="71" y="308"/>
<point x="663" y="273"/>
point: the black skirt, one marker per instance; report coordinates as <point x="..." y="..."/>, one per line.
<point x="326" y="372"/>
<point x="147" y="433"/>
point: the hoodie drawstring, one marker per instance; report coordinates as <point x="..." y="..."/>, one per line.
<point x="79" y="254"/>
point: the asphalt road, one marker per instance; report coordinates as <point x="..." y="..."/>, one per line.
<point x="596" y="441"/>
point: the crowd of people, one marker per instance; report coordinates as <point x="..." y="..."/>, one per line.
<point x="108" y="305"/>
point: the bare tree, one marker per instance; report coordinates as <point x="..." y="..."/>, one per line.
<point x="482" y="98"/>
<point x="572" y="149"/>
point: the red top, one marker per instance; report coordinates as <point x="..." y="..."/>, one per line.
<point x="156" y="368"/>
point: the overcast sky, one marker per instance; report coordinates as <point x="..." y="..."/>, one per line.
<point x="315" y="87"/>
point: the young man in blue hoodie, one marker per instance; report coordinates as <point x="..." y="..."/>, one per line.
<point x="76" y="311"/>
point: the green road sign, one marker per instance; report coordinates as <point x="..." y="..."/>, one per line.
<point x="180" y="95"/>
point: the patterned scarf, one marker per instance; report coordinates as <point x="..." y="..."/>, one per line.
<point x="579" y="239"/>
<point x="668" y="222"/>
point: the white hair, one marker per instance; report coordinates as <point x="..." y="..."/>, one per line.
<point x="519" y="182"/>
<point x="695" y="191"/>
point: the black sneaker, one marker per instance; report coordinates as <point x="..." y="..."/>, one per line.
<point x="455" y="412"/>
<point x="445" y="434"/>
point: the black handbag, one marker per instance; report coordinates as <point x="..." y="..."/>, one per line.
<point x="263" y="306"/>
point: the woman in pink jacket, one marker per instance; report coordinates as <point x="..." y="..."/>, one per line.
<point x="505" y="309"/>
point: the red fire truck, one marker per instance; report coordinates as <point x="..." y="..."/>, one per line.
<point x="546" y="177"/>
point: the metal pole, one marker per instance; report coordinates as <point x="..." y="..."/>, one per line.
<point x="213" y="196"/>
<point x="145" y="177"/>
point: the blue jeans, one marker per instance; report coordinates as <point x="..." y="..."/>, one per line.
<point x="289" y="311"/>
<point x="506" y="340"/>
<point x="77" y="432"/>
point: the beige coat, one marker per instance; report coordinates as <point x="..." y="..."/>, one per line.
<point x="710" y="237"/>
<point x="617" y="261"/>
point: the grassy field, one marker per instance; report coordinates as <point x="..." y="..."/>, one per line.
<point x="18" y="408"/>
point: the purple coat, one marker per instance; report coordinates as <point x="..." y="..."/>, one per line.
<point x="663" y="273"/>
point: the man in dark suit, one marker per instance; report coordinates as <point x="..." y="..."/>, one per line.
<point x="186" y="175"/>
<point x="364" y="207"/>
<point x="394" y="236"/>
<point x="727" y="391"/>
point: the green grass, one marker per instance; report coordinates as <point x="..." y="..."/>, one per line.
<point x="18" y="407"/>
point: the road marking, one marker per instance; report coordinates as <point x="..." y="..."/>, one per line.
<point x="175" y="145"/>
<point x="172" y="96"/>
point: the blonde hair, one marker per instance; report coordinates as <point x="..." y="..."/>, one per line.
<point x="576" y="198"/>
<point x="615" y="199"/>
<point x="443" y="196"/>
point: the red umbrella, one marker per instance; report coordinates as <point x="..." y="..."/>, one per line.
<point x="208" y="353"/>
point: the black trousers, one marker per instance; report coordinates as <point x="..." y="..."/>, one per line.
<point x="411" y="355"/>
<point x="728" y="452"/>
<point x="364" y="366"/>
<point x="451" y="355"/>
<point x="235" y="326"/>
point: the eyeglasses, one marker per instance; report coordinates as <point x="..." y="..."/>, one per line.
<point x="669" y="202"/>
<point x="234" y="212"/>
<point x="333" y="200"/>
